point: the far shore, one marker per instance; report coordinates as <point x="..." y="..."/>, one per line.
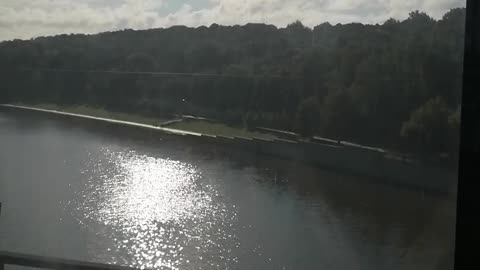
<point x="182" y="124"/>
<point x="353" y="159"/>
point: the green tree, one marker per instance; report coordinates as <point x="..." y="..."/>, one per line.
<point x="454" y="121"/>
<point x="347" y="81"/>
<point x="339" y="117"/>
<point x="308" y="116"/>
<point x="140" y="62"/>
<point x="427" y="130"/>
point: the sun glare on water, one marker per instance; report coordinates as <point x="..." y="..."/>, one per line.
<point x="156" y="212"/>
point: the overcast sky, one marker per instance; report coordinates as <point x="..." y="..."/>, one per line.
<point x="25" y="19"/>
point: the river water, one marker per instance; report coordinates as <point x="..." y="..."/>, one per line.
<point x="103" y="194"/>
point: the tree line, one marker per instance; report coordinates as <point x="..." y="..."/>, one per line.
<point x="395" y="85"/>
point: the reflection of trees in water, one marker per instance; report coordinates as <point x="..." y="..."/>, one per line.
<point x="377" y="222"/>
<point x="411" y="226"/>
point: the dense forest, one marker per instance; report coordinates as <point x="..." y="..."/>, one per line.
<point x="395" y="85"/>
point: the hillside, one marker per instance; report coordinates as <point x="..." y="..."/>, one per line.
<point x="394" y="85"/>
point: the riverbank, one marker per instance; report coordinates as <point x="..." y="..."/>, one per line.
<point x="97" y="112"/>
<point x="103" y="119"/>
<point x="181" y="123"/>
<point x="95" y="176"/>
<point x="351" y="159"/>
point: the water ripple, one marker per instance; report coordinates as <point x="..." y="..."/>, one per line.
<point x="158" y="211"/>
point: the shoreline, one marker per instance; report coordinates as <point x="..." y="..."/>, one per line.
<point x="344" y="159"/>
<point x="109" y="120"/>
<point x="182" y="123"/>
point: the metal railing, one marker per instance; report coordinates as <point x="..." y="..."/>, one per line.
<point x="12" y="258"/>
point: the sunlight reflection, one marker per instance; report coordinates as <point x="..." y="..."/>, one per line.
<point x="158" y="211"/>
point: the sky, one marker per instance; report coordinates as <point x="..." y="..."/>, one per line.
<point x="25" y="19"/>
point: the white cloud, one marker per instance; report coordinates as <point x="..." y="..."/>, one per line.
<point x="310" y="12"/>
<point x="27" y="18"/>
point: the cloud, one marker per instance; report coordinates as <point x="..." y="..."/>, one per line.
<point x="310" y="12"/>
<point x="26" y="18"/>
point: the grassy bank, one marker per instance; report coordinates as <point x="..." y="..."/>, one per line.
<point x="219" y="129"/>
<point x="98" y="112"/>
<point x="200" y="126"/>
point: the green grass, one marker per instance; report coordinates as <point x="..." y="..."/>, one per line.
<point x="218" y="129"/>
<point x="199" y="126"/>
<point x="99" y="112"/>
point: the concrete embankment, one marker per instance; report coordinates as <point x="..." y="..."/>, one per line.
<point x="372" y="164"/>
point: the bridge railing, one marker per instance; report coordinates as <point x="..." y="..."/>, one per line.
<point x="12" y="258"/>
